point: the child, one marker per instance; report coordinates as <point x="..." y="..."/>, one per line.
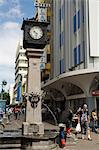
<point x="62" y="139"/>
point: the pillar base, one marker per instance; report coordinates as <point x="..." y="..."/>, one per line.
<point x="32" y="129"/>
<point x="38" y="142"/>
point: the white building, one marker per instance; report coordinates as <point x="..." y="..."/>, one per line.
<point x="75" y="54"/>
<point x="21" y="65"/>
<point x="11" y="93"/>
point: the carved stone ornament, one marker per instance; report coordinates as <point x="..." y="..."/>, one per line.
<point x="33" y="98"/>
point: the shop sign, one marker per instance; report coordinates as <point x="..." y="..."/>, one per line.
<point x="42" y="14"/>
<point x="95" y="93"/>
<point x="43" y="5"/>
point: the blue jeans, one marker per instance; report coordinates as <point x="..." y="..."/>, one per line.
<point x="94" y="125"/>
<point x="84" y="127"/>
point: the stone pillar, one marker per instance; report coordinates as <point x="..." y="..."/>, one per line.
<point x="33" y="115"/>
<point x="91" y="104"/>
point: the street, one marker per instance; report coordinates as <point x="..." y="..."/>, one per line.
<point x="77" y="145"/>
<point x="85" y="144"/>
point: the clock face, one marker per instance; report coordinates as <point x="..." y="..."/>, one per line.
<point x="36" y="32"/>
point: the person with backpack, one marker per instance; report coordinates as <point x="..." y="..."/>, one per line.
<point x="85" y="120"/>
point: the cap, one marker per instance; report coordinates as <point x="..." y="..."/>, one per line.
<point x="62" y="125"/>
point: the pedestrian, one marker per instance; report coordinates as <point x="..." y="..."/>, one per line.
<point x="94" y="119"/>
<point x="9" y="114"/>
<point x="57" y="114"/>
<point x="23" y="110"/>
<point x="77" y="119"/>
<point x="85" y="120"/>
<point x="69" y="121"/>
<point x="16" y="113"/>
<point x="62" y="138"/>
<point x="66" y="118"/>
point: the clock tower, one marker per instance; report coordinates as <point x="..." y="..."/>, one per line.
<point x="34" y="34"/>
<point x="34" y="40"/>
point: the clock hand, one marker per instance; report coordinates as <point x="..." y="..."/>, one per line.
<point x="35" y="33"/>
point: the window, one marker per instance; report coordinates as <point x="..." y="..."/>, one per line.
<point x="78" y="19"/>
<point x="62" y="12"/>
<point x="74" y="20"/>
<point x="62" y="67"/>
<point x="83" y="51"/>
<point x="48" y="58"/>
<point x="60" y="15"/>
<point x="61" y="39"/>
<point x="77" y="55"/>
<point x="74" y="1"/>
<point x="83" y="11"/>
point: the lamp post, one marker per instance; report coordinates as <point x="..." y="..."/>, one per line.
<point x="3" y="84"/>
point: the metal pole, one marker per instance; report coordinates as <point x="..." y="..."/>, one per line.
<point x="2" y="92"/>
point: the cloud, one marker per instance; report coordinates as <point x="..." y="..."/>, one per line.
<point x="13" y="9"/>
<point x="10" y="34"/>
<point x="14" y="12"/>
<point x="1" y="2"/>
<point x="10" y="25"/>
<point x="6" y="73"/>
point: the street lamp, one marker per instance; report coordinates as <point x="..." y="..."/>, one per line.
<point x="4" y="83"/>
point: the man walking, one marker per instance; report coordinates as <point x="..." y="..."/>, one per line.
<point x="85" y="120"/>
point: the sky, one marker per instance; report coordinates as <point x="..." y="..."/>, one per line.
<point x="12" y="13"/>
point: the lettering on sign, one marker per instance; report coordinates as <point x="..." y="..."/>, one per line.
<point x="95" y="93"/>
<point x="44" y="5"/>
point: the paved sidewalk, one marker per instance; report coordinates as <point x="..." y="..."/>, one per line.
<point x="16" y="124"/>
<point x="85" y="144"/>
<point x="80" y="144"/>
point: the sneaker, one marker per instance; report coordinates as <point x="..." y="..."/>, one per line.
<point x="90" y="139"/>
<point x="83" y="137"/>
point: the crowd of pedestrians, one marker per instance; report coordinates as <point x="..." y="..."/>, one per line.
<point x="82" y="124"/>
<point x="12" y="113"/>
<point x="80" y="121"/>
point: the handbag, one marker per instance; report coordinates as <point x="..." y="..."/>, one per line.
<point x="78" y="127"/>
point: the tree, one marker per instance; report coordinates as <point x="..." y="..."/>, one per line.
<point x="4" y="82"/>
<point x="6" y="97"/>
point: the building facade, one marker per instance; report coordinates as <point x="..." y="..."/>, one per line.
<point x="75" y="55"/>
<point x="21" y="66"/>
<point x="43" y="14"/>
